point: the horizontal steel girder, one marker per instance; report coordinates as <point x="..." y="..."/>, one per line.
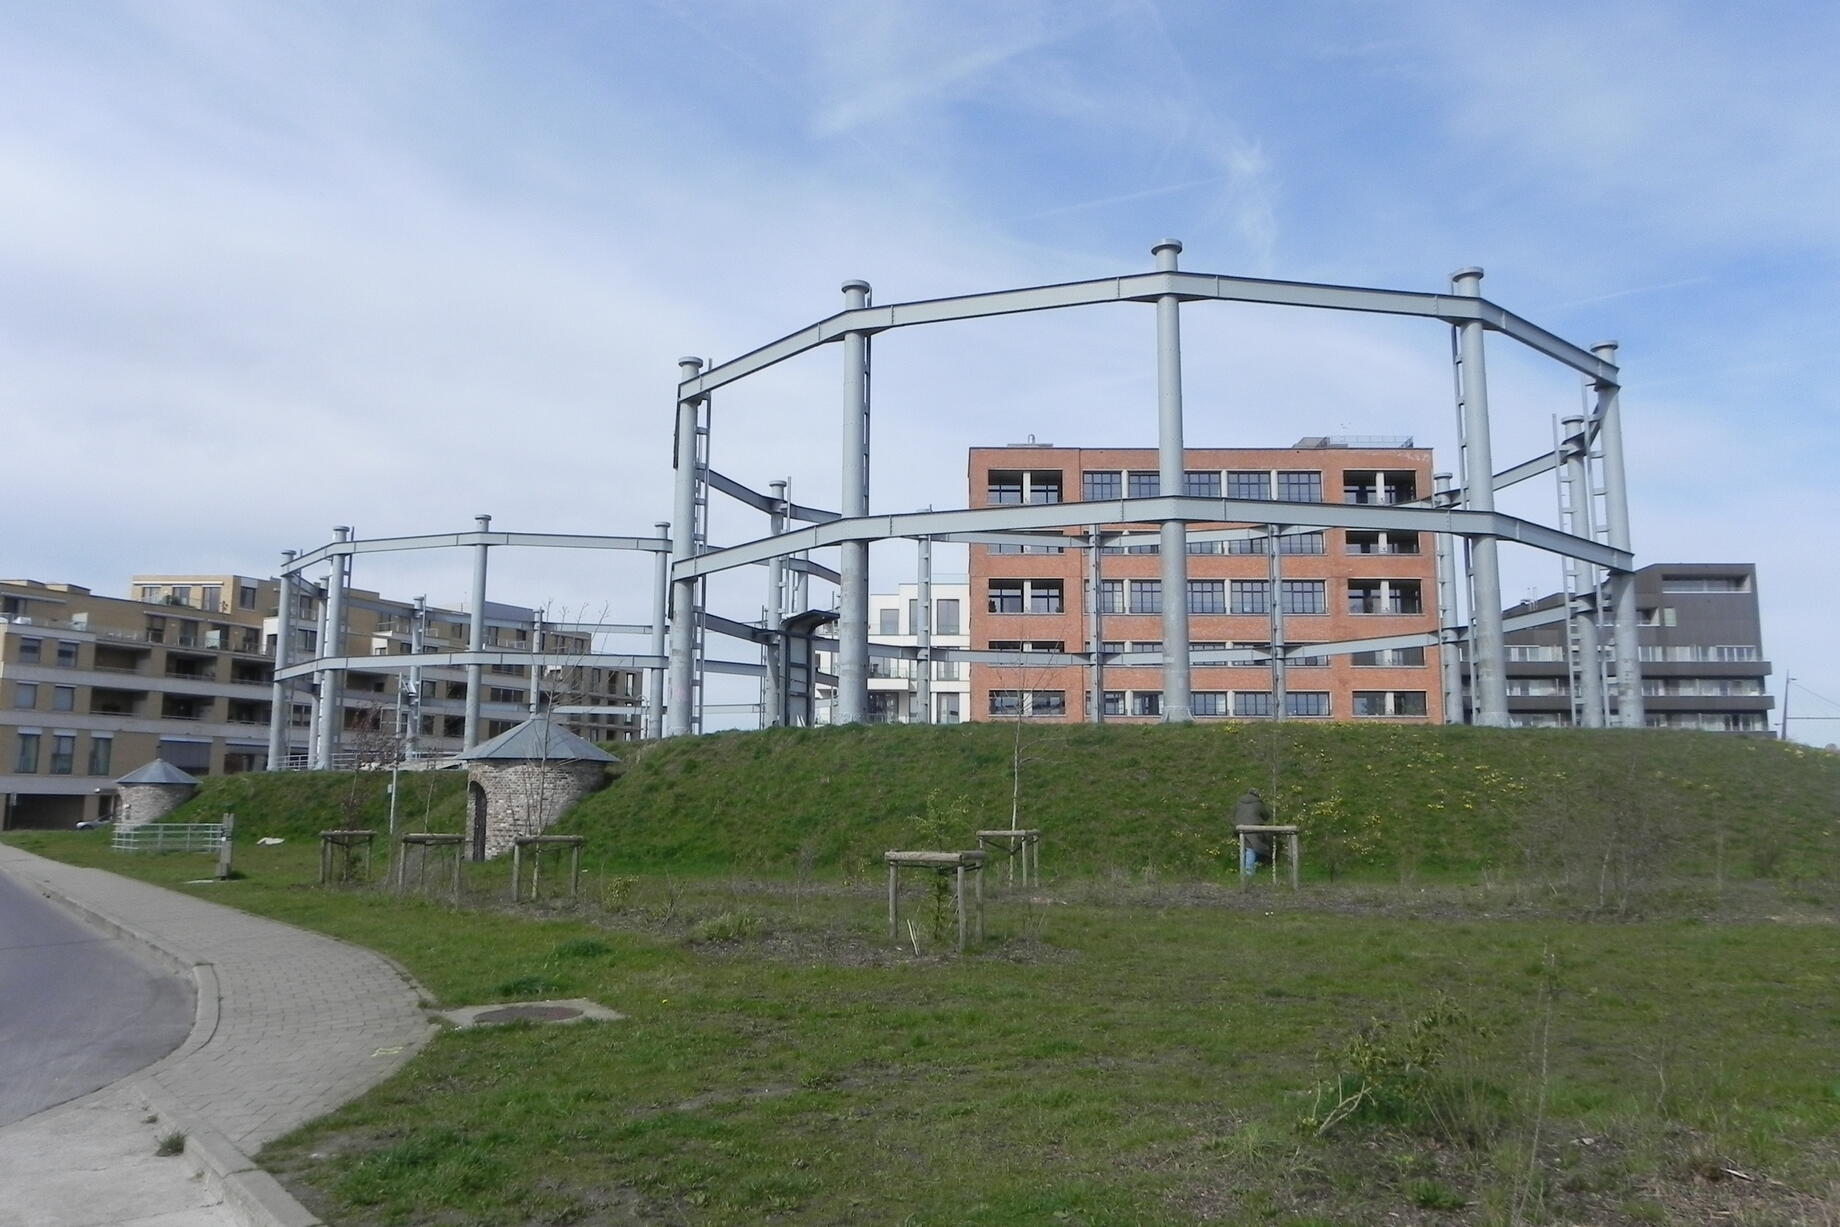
<point x="763" y="502"/>
<point x="436" y="541"/>
<point x="430" y="660"/>
<point x="1155" y="511"/>
<point x="1148" y="287"/>
<point x="1203" y="656"/>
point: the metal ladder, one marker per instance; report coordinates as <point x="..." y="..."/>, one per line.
<point x="699" y="542"/>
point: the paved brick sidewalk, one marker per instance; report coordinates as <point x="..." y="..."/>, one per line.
<point x="304" y="1023"/>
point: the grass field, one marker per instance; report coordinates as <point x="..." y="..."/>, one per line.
<point x="1139" y="1041"/>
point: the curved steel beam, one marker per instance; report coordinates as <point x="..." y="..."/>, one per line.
<point x="1156" y="510"/>
<point x="1148" y="287"/>
<point x="435" y="541"/>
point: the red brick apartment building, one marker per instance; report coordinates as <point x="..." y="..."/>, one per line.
<point x="1335" y="584"/>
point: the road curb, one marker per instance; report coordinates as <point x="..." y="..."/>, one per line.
<point x="251" y="1194"/>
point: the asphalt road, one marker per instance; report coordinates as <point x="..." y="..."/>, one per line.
<point x="77" y="1009"/>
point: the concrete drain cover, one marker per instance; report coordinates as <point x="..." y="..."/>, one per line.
<point x="535" y="1013"/>
<point x="572" y="1011"/>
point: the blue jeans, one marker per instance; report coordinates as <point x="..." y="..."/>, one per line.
<point x="1248" y="862"/>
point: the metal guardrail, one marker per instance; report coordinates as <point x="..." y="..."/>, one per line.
<point x="169" y="837"/>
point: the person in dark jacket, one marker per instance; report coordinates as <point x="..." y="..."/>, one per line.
<point x="1249" y="812"/>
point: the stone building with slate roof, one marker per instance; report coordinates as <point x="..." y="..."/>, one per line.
<point x="523" y="780"/>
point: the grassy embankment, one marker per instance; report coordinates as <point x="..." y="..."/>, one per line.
<point x="1131" y="1045"/>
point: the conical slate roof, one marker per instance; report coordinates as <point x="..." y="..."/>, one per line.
<point x="537" y="740"/>
<point x="159" y="771"/>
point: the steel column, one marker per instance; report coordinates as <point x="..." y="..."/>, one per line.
<point x="1487" y="667"/>
<point x="1450" y="668"/>
<point x="1274" y="573"/>
<point x="1582" y="614"/>
<point x="853" y="599"/>
<point x="1095" y="635"/>
<point x="681" y="699"/>
<point x="661" y="614"/>
<point x="1169" y="456"/>
<point x="923" y="632"/>
<point x="476" y="637"/>
<point x="1626" y="654"/>
<point x="331" y="712"/>
<point x="418" y="643"/>
<point x="280" y="704"/>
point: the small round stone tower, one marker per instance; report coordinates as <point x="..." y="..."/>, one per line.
<point x="523" y="780"/>
<point x="150" y="793"/>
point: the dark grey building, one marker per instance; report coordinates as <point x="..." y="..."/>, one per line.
<point x="1701" y="649"/>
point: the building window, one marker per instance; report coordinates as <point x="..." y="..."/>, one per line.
<point x="245" y="596"/>
<point x="29" y="651"/>
<point x="1207" y="547"/>
<point x="1253" y="483"/>
<point x="947" y="708"/>
<point x="1146" y="596"/>
<point x="1035" y="596"/>
<point x="1301" y="543"/>
<point x="63" y="698"/>
<point x="1143" y="485"/>
<point x="1003" y="486"/>
<point x="1395" y="658"/>
<point x="1360" y="542"/>
<point x="1252" y="702"/>
<point x="1028" y="703"/>
<point x="1207" y="596"/>
<point x="1111" y="596"/>
<point x="211" y="597"/>
<point x="1154" y="646"/>
<point x="1384" y="596"/>
<point x="1201" y="484"/>
<point x="1304" y="596"/>
<point x="1111" y="703"/>
<point x="1299" y="487"/>
<point x="888" y="622"/>
<point x="1389" y="702"/>
<point x="181" y="595"/>
<point x="1101" y="484"/>
<point x="1045" y="596"/>
<point x="946" y="670"/>
<point x="1012" y="486"/>
<point x="63" y="753"/>
<point x="67" y="654"/>
<point x="1250" y="596"/>
<point x="150" y="593"/>
<point x="1306" y="703"/>
<point x="1378" y="486"/>
<point x="1705" y="583"/>
<point x="25" y="695"/>
<point x="1293" y="661"/>
<point x="1146" y="702"/>
<point x="945" y="616"/>
<point x="1208" y="703"/>
<point x="101" y="750"/>
<point x="27" y="762"/>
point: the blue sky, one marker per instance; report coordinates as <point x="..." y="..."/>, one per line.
<point x="275" y="267"/>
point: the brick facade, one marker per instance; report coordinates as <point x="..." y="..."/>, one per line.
<point x="1343" y="565"/>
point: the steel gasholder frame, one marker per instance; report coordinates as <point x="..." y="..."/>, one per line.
<point x="1462" y="511"/>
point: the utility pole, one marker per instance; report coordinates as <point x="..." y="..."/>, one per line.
<point x="1783" y="734"/>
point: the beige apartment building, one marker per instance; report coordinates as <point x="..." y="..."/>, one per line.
<point x="1333" y="584"/>
<point x="93" y="686"/>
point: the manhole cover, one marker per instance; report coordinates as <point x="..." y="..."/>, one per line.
<point x="533" y="1013"/>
